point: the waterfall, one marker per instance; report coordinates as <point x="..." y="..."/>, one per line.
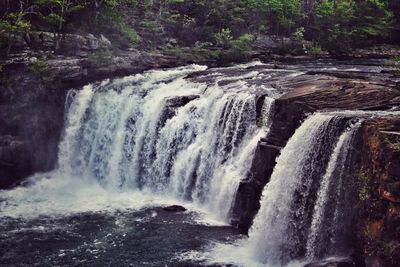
<point x="160" y="133"/>
<point x="327" y="213"/>
<point x="290" y="204"/>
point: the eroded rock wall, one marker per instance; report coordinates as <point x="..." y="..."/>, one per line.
<point x="378" y="191"/>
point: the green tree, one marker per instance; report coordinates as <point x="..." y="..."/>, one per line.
<point x="112" y="22"/>
<point x="373" y="20"/>
<point x="282" y="15"/>
<point x="332" y="27"/>
<point x="13" y="26"/>
<point x="340" y="25"/>
<point x="56" y="13"/>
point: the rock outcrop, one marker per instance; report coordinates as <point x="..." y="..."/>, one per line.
<point x="174" y="208"/>
<point x="378" y="183"/>
<point x="308" y="93"/>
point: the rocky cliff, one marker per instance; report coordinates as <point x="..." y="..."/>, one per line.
<point x="378" y="183"/>
<point x="308" y="93"/>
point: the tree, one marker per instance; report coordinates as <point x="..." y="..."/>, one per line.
<point x="282" y="15"/>
<point x="373" y="20"/>
<point x="342" y="24"/>
<point x="332" y="26"/>
<point x="55" y="13"/>
<point x="13" y="25"/>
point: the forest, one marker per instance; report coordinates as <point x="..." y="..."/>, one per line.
<point x="336" y="26"/>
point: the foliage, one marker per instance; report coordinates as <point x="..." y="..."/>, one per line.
<point x="223" y="38"/>
<point x="340" y="25"/>
<point x="335" y="25"/>
<point x="112" y="22"/>
<point x="314" y="49"/>
<point x="101" y="57"/>
<point x="373" y="19"/>
<point x="298" y="35"/>
<point x="11" y="28"/>
<point x="332" y="24"/>
<point x="55" y="13"/>
<point x="282" y="14"/>
<point x="38" y="66"/>
<point x="364" y="186"/>
<point x="394" y="64"/>
<point x="393" y="141"/>
<point x="241" y="46"/>
<point x="204" y="51"/>
<point x="41" y="69"/>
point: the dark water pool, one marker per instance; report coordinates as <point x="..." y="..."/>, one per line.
<point x="150" y="237"/>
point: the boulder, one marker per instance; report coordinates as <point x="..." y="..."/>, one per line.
<point x="174" y="208"/>
<point x="180" y="101"/>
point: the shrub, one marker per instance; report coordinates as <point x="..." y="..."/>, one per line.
<point x="112" y="23"/>
<point x="298" y="35"/>
<point x="242" y="45"/>
<point x="223" y="38"/>
<point x="38" y="66"/>
<point x="203" y="51"/>
<point x="101" y="57"/>
<point x="315" y="49"/>
<point x="41" y="69"/>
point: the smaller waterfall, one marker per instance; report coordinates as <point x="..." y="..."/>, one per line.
<point x="323" y="235"/>
<point x="294" y="201"/>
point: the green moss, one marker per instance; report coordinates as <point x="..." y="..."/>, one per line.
<point x="364" y="186"/>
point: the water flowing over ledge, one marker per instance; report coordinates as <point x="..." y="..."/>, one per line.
<point x="154" y="135"/>
<point x="189" y="136"/>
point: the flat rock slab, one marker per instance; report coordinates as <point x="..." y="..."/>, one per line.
<point x="328" y="92"/>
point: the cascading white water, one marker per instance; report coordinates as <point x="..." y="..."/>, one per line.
<point x="156" y="133"/>
<point x="270" y="237"/>
<point x="331" y="182"/>
<point x="274" y="237"/>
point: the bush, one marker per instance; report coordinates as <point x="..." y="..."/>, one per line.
<point x="112" y="23"/>
<point x="203" y="51"/>
<point x="101" y="57"/>
<point x="38" y="66"/>
<point x="315" y="50"/>
<point x="243" y="44"/>
<point x="394" y="63"/>
<point x="223" y="38"/>
<point x="298" y="35"/>
<point x="41" y="69"/>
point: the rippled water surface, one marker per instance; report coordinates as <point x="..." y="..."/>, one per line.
<point x="149" y="237"/>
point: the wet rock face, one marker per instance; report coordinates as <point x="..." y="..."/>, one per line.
<point x="31" y="121"/>
<point x="13" y="152"/>
<point x="309" y="93"/>
<point x="29" y="141"/>
<point x="332" y="262"/>
<point x="378" y="192"/>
